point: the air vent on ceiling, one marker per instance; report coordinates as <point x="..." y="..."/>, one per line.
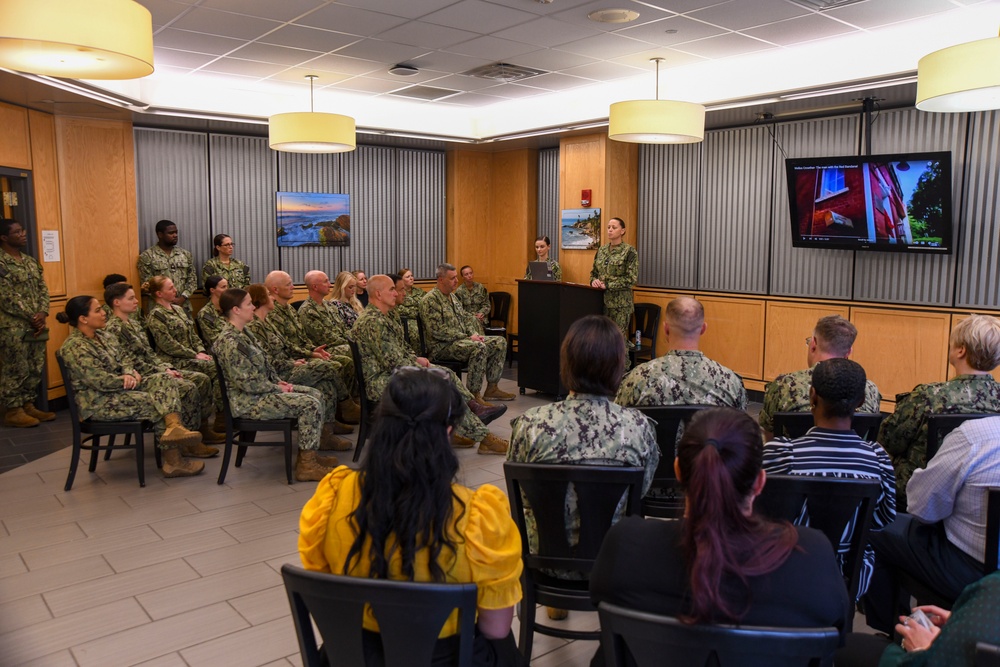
<point x="428" y="93"/>
<point x="822" y="5"/>
<point x="504" y="72"/>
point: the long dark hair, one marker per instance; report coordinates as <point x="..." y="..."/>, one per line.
<point x="406" y="496"/>
<point x="592" y="356"/>
<point x="720" y="458"/>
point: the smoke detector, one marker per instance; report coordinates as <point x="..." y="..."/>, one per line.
<point x="613" y="16"/>
<point x="403" y="70"/>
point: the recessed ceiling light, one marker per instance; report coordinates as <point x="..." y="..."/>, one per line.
<point x="403" y="70"/>
<point x="613" y="16"/>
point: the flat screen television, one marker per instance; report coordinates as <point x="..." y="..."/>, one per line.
<point x="899" y="203"/>
<point x="313" y="218"/>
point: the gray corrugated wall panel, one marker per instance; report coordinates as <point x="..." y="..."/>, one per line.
<point x="669" y="209"/>
<point x="420" y="233"/>
<point x="808" y="272"/>
<point x="903" y="278"/>
<point x="370" y="177"/>
<point x="979" y="269"/>
<point x="171" y="173"/>
<point x="301" y="172"/>
<point x="548" y="198"/>
<point x="242" y="196"/>
<point x="735" y="211"/>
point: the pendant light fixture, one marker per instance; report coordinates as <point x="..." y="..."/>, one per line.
<point x="657" y="121"/>
<point x="959" y="78"/>
<point x="96" y="39"/>
<point x="311" y="132"/>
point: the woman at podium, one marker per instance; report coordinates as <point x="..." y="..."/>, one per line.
<point x="616" y="269"/>
<point x="542" y="247"/>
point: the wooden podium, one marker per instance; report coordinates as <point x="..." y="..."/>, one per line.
<point x="545" y="312"/>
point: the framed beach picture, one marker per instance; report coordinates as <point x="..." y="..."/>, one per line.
<point x="313" y="218"/>
<point x="581" y="228"/>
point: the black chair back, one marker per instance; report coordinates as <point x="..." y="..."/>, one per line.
<point x="647" y="320"/>
<point x="649" y="638"/>
<point x="500" y="309"/>
<point x="665" y="499"/>
<point x="408" y="334"/>
<point x="987" y="655"/>
<point x="458" y="367"/>
<point x="992" y="553"/>
<point x="795" y="424"/>
<point x="830" y="505"/>
<point x="296" y="304"/>
<point x="367" y="406"/>
<point x="410" y="616"/>
<point x="940" y="425"/>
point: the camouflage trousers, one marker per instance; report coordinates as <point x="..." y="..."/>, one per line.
<point x="484" y="359"/>
<point x="304" y="404"/>
<point x="155" y="397"/>
<point x="205" y="367"/>
<point x="325" y="376"/>
<point x="20" y="368"/>
<point x="203" y="405"/>
<point x="621" y="313"/>
<point x="342" y="355"/>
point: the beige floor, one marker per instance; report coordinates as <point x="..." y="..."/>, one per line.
<point x="182" y="572"/>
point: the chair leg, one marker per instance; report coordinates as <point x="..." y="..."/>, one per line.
<point x="73" y="461"/>
<point x="288" y="455"/>
<point x="527" y="619"/>
<point x="95" y="444"/>
<point x="140" y="454"/>
<point x="111" y="446"/>
<point x="157" y="454"/>
<point x="245" y="436"/>
<point x="226" y="455"/>
<point x="362" y="436"/>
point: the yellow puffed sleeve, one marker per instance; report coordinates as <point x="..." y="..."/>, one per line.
<point x="493" y="548"/>
<point x="315" y="519"/>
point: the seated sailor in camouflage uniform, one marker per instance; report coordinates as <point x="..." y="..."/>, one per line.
<point x="321" y="374"/>
<point x="383" y="349"/>
<point x="177" y="343"/>
<point x="319" y="318"/>
<point x="257" y="392"/>
<point x="109" y="389"/>
<point x="451" y="335"/>
<point x="121" y="299"/>
<point x="209" y="318"/>
<point x="475" y="299"/>
<point x="833" y="337"/>
<point x="409" y="309"/>
<point x="684" y="375"/>
<point x="973" y="351"/>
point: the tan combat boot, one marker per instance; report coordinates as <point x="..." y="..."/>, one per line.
<point x="18" y="418"/>
<point x="330" y="442"/>
<point x="176" y="435"/>
<point x="479" y="399"/>
<point x="200" y="451"/>
<point x="32" y="411"/>
<point x="210" y="435"/>
<point x="461" y="442"/>
<point x="341" y="429"/>
<point x="219" y="425"/>
<point x="494" y="393"/>
<point x="175" y="465"/>
<point x="348" y="411"/>
<point x="308" y="468"/>
<point x="327" y="461"/>
<point x="493" y="445"/>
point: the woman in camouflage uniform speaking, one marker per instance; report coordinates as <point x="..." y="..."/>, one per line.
<point x="616" y="268"/>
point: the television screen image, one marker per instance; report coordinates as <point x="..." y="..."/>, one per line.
<point x="313" y="218"/>
<point x="876" y="202"/>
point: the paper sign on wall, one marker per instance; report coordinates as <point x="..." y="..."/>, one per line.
<point x="50" y="246"/>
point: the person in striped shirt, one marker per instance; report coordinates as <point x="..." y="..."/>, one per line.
<point x="832" y="449"/>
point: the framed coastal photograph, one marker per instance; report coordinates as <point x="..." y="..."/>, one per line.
<point x="581" y="228"/>
<point x="313" y="218"/>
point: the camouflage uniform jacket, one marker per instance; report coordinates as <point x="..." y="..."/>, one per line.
<point x="904" y="432"/>
<point x="790" y="393"/>
<point x="476" y="301"/>
<point x="237" y="274"/>
<point x="445" y="321"/>
<point x="134" y="344"/>
<point x="210" y="321"/>
<point x="284" y="321"/>
<point x="248" y="370"/>
<point x="585" y="429"/>
<point x="96" y="367"/>
<point x="382" y="346"/>
<point x="178" y="266"/>
<point x="410" y="308"/>
<point x="554" y="269"/>
<point x="273" y="346"/>
<point x="322" y="324"/>
<point x="173" y="332"/>
<point x="682" y="377"/>
<point x="618" y="267"/>
<point x="22" y="291"/>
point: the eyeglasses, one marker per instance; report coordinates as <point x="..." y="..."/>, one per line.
<point x="226" y="245"/>
<point x="433" y="370"/>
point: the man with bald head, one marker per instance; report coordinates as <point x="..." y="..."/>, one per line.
<point x="319" y="319"/>
<point x="684" y="375"/>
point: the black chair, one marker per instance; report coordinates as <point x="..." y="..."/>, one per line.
<point x="665" y="500"/>
<point x="992" y="553"/>
<point x="599" y="490"/>
<point x="242" y="432"/>
<point x="296" y="304"/>
<point x="408" y="325"/>
<point x="987" y="655"/>
<point x="795" y="424"/>
<point x="649" y="638"/>
<point x="647" y="320"/>
<point x="410" y="616"/>
<point x="95" y="430"/>
<point x="458" y="367"/>
<point x="367" y="406"/>
<point x="940" y="425"/>
<point x="831" y="505"/>
<point x="499" y="317"/>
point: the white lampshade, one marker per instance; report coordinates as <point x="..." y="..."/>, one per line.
<point x="965" y="77"/>
<point x="92" y="39"/>
<point x="657" y="122"/>
<point x="311" y="132"/>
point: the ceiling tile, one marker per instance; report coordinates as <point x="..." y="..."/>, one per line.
<point x="513" y="91"/>
<point x="285" y="10"/>
<point x="740" y="15"/>
<point x="173" y="58"/>
<point x="472" y="100"/>
<point x="546" y="32"/>
<point x="556" y="81"/>
<point x="426" y="35"/>
<point x="604" y="71"/>
<point x="492" y="48"/>
<point x="537" y="7"/>
<point x="551" y="60"/>
<point x="224" y="24"/>
<point x="478" y="16"/>
<point x="383" y="52"/>
<point x="298" y="75"/>
<point x="243" y="67"/>
<point x="686" y="30"/>
<point x="164" y="11"/>
<point x="350" y="19"/>
<point x="466" y="83"/>
<point x="363" y="84"/>
<point x="605" y="46"/>
<point x="410" y="8"/>
<point x="269" y="53"/>
<point x="337" y="63"/>
<point x="422" y="76"/>
<point x="578" y="15"/>
<point x="185" y="40"/>
<point x="450" y="63"/>
<point x="798" y="30"/>
<point x="314" y="39"/>
<point x="682" y="6"/>
<point x="671" y="58"/>
<point x="723" y="46"/>
<point x="874" y="13"/>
